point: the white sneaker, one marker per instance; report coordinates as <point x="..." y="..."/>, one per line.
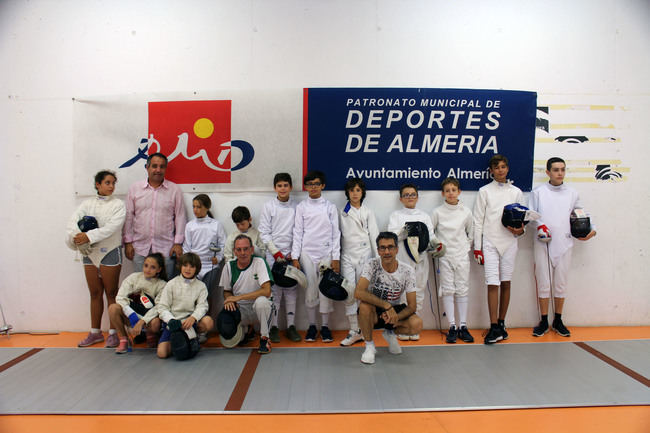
<point x="368" y="356"/>
<point x="393" y="344"/>
<point x="403" y="337"/>
<point x="353" y="337"/>
<point x="414" y="337"/>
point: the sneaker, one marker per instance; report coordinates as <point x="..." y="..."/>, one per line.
<point x="464" y="335"/>
<point x="326" y="334"/>
<point x="274" y="334"/>
<point x="560" y="329"/>
<point x="265" y="346"/>
<point x="91" y="338"/>
<point x="152" y="339"/>
<point x="312" y="333"/>
<point x="393" y="344"/>
<point x="353" y="337"/>
<point x="414" y="337"/>
<point x="112" y="341"/>
<point x="403" y="337"/>
<point x="493" y="335"/>
<point x="452" y="334"/>
<point x="368" y="356"/>
<point x="248" y="337"/>
<point x="203" y="337"/>
<point x="292" y="334"/>
<point x="502" y="326"/>
<point x="540" y="329"/>
<point x="123" y="346"/>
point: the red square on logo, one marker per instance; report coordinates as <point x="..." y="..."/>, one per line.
<point x="195" y="136"/>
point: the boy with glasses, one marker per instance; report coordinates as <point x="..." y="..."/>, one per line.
<point x="408" y="195"/>
<point x="316" y="238"/>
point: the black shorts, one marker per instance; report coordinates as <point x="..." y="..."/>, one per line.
<point x="383" y="325"/>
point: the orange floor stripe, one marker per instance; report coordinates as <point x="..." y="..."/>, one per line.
<point x="428" y="337"/>
<point x="17" y="359"/>
<point x="618" y="419"/>
<point x="238" y="395"/>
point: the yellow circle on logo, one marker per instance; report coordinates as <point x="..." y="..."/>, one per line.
<point x="203" y="128"/>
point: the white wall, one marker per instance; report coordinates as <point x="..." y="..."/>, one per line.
<point x="578" y="52"/>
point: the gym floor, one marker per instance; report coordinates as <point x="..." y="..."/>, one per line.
<point x="616" y="360"/>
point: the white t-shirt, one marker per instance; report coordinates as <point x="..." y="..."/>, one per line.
<point x="389" y="286"/>
<point x="242" y="281"/>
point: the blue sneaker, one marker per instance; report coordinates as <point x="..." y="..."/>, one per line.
<point x="326" y="334"/>
<point x="312" y="333"/>
<point x="493" y="335"/>
<point x="452" y="335"/>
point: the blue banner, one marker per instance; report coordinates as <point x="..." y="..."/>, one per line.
<point x="392" y="136"/>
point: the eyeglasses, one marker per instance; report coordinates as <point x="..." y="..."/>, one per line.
<point x="410" y="195"/>
<point x="386" y="248"/>
<point x="312" y="184"/>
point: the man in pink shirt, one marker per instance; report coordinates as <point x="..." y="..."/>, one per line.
<point x="155" y="217"/>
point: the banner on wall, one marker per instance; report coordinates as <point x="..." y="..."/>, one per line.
<point x="215" y="141"/>
<point x="392" y="136"/>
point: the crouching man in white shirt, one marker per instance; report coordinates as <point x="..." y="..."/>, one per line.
<point x="246" y="282"/>
<point x="380" y="287"/>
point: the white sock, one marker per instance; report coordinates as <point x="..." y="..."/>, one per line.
<point x="274" y="315"/>
<point x="354" y="322"/>
<point x="325" y="319"/>
<point x="370" y="344"/>
<point x="462" y="304"/>
<point x="95" y="330"/>
<point x="311" y="315"/>
<point x="290" y="306"/>
<point x="448" y="304"/>
<point x="112" y="331"/>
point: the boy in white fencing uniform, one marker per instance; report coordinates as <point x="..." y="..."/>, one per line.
<point x="453" y="225"/>
<point x="276" y="231"/>
<point x="185" y="299"/>
<point x="496" y="245"/>
<point x="316" y="238"/>
<point x="554" y="201"/>
<point x="241" y="216"/>
<point x="358" y="233"/>
<point x="421" y="263"/>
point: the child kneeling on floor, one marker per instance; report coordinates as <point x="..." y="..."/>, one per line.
<point x="183" y="305"/>
<point x="136" y="303"/>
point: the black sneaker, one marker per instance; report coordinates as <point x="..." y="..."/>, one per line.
<point x="265" y="346"/>
<point x="464" y="335"/>
<point x="493" y="335"/>
<point x="540" y="329"/>
<point x="452" y="335"/>
<point x="502" y="327"/>
<point x="292" y="334"/>
<point x="312" y="333"/>
<point x="274" y="334"/>
<point x="326" y="334"/>
<point x="560" y="329"/>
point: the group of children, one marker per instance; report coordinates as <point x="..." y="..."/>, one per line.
<point x="313" y="234"/>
